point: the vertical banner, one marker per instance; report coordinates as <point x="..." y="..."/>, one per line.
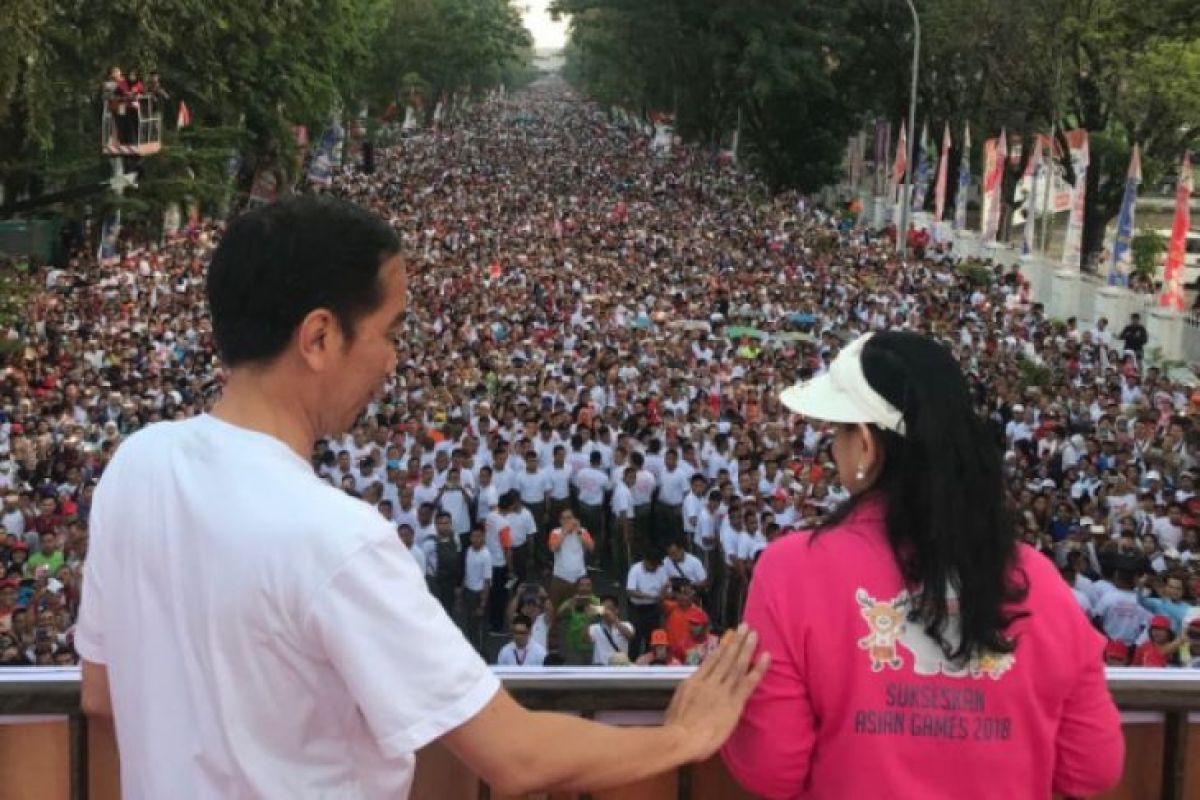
<point x="1027" y="197"/>
<point x="1172" y="295"/>
<point x="899" y="167"/>
<point x="1077" y="142"/>
<point x="883" y="137"/>
<point x="939" y="186"/>
<point x="985" y="194"/>
<point x="993" y="185"/>
<point x="964" y="181"/>
<point x="1122" y="252"/>
<point x="106" y="254"/>
<point x="921" y="181"/>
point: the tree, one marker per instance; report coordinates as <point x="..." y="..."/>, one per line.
<point x="779" y="64"/>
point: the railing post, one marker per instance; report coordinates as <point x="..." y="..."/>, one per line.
<point x="1175" y="754"/>
<point x="78" y="746"/>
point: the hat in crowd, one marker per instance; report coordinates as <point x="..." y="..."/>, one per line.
<point x="843" y="394"/>
<point x="659" y="637"/>
<point x="1116" y="649"/>
<point x="1098" y="530"/>
<point x="1153" y="475"/>
<point x="1160" y="621"/>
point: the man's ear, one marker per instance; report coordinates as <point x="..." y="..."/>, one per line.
<point x="318" y="338"/>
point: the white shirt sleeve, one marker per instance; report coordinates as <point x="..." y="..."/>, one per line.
<point x="365" y="621"/>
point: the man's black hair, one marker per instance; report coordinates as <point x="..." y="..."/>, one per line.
<point x="277" y="264"/>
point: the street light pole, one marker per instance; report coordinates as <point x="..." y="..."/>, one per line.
<point x="906" y="199"/>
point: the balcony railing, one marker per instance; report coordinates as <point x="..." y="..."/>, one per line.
<point x="49" y="752"/>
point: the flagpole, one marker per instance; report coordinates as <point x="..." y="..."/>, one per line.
<point x="902" y="233"/>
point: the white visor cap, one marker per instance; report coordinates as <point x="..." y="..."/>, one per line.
<point x="843" y="394"/>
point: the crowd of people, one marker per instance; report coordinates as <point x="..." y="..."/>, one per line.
<point x="583" y="445"/>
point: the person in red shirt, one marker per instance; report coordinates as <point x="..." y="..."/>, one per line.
<point x="677" y="617"/>
<point x="1159" y="650"/>
<point x="659" y="654"/>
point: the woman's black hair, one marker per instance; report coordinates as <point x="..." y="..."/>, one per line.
<point x="943" y="486"/>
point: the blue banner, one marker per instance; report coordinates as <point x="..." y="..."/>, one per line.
<point x="1122" y="251"/>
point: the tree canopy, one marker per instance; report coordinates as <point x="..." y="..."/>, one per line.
<point x="806" y="74"/>
<point x="248" y="72"/>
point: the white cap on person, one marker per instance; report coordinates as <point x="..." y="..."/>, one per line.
<point x="843" y="394"/>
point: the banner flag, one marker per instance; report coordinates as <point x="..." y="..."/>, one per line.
<point x="964" y="181"/>
<point x="939" y="187"/>
<point x="1172" y="295"/>
<point x="993" y="185"/>
<point x="1027" y="197"/>
<point x="1077" y="142"/>
<point x="921" y="181"/>
<point x="1122" y="253"/>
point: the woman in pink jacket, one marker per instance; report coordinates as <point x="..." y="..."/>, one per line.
<point x="917" y="650"/>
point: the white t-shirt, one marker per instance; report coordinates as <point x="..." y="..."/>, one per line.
<point x="602" y="648"/>
<point x="534" y="655"/>
<point x="274" y="622"/>
<point x="642" y="580"/>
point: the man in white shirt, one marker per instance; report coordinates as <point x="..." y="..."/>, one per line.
<point x="559" y="473"/>
<point x="673" y="486"/>
<point x="477" y="585"/>
<point x="534" y="486"/>
<point x="693" y="505"/>
<point x="521" y="651"/>
<point x="611" y="635"/>
<point x="646" y="586"/>
<point x="312" y="596"/>
<point x="592" y="483"/>
<point x="570" y="543"/>
<point x="643" y="489"/>
<point x="679" y="563"/>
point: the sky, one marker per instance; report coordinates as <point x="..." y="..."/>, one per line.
<point x="547" y="34"/>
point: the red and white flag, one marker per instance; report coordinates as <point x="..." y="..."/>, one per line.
<point x="184" y="117"/>
<point x="1172" y="295"/>
<point x="939" y="188"/>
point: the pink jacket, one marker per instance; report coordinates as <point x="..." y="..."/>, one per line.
<point x="859" y="703"/>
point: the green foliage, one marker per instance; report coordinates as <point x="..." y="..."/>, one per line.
<point x="976" y="273"/>
<point x="1147" y="248"/>
<point x="780" y="66"/>
<point x="248" y="72"/>
<point x="1034" y="375"/>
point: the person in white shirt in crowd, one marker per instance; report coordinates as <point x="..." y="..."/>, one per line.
<point x="620" y="539"/>
<point x="646" y="586"/>
<point x="673" y="485"/>
<point x="407" y="535"/>
<point x="477" y="586"/>
<point x="679" y="563"/>
<point x="534" y="486"/>
<point x="693" y="506"/>
<point x="643" y="489"/>
<point x="570" y="543"/>
<point x="454" y="499"/>
<point x="532" y="600"/>
<point x="525" y="530"/>
<point x="498" y="537"/>
<point x="559" y="473"/>
<point x="592" y="483"/>
<point x="610" y="635"/>
<point x="486" y="496"/>
<point x="522" y="651"/>
<point x="1117" y="611"/>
